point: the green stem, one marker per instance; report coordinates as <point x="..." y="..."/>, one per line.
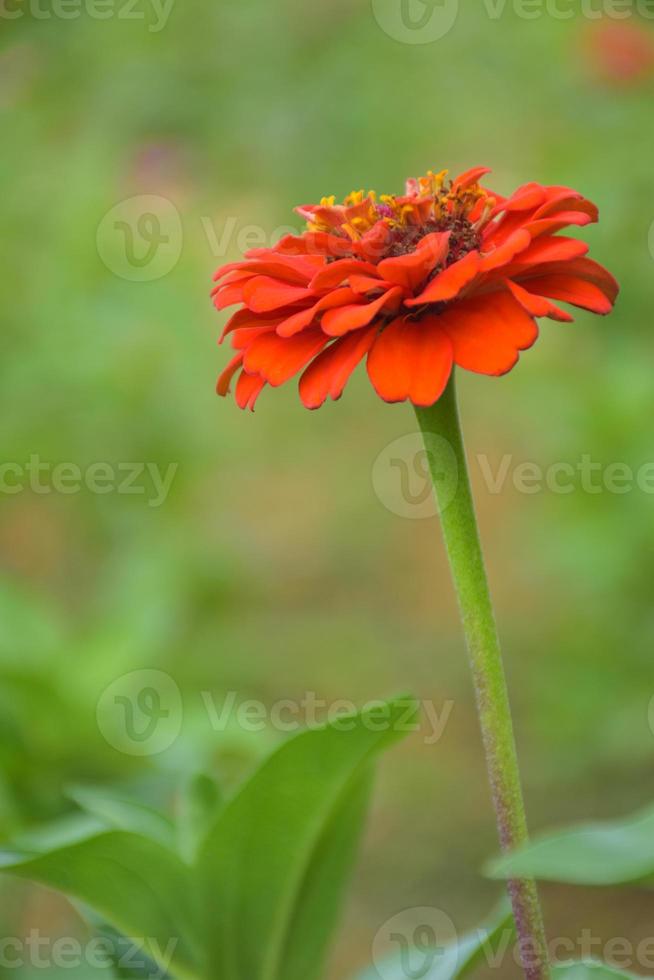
<point x="447" y="461"/>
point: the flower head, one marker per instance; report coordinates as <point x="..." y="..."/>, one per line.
<point x="621" y="53"/>
<point x="448" y="274"/>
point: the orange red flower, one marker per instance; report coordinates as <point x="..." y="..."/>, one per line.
<point x="447" y="274"/>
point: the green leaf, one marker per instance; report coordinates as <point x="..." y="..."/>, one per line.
<point x="609" y="853"/>
<point x="124" y="814"/>
<point x="137" y="885"/>
<point x="455" y="960"/>
<point x="275" y="863"/>
<point x="589" y="971"/>
<point x="128" y="961"/>
<point x="199" y="805"/>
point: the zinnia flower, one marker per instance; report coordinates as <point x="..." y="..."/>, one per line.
<point x="447" y="274"/>
<point x="621" y="53"/>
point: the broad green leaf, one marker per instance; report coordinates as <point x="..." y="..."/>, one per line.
<point x="455" y="960"/>
<point x="135" y="884"/>
<point x="199" y="805"/>
<point x="317" y="906"/>
<point x="609" y="853"/>
<point x="129" y="961"/>
<point x="589" y="971"/>
<point x="272" y="878"/>
<point x="124" y="814"/>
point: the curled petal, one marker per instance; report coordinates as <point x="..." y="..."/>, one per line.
<point x="450" y="282"/>
<point x="552" y="249"/>
<point x="579" y="269"/>
<point x="248" y="389"/>
<point x="337" y="272"/>
<point x="469" y="178"/>
<point x="411" y="270"/>
<point x="538" y="305"/>
<point x="228" y="295"/>
<point x="504" y="253"/>
<point x="570" y="289"/>
<point x="277" y="358"/>
<point x="298" y="321"/>
<point x="222" y="387"/>
<point x="337" y="322"/>
<point x="329" y="372"/>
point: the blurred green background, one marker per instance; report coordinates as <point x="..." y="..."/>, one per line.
<point x="273" y="567"/>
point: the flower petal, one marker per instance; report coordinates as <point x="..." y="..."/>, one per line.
<point x="569" y="289"/>
<point x="337" y="322"/>
<point x="294" y="270"/>
<point x="487" y="332"/>
<point x="411" y="359"/>
<point x="263" y="294"/>
<point x="222" y="386"/>
<point x="469" y="178"/>
<point x="552" y="248"/>
<point x="538" y="305"/>
<point x="450" y="282"/>
<point x="505" y="252"/>
<point x="337" y="272"/>
<point x="248" y="389"/>
<point x="277" y="358"/>
<point x="329" y="372"/>
<point x="411" y="270"/>
<point x="298" y="321"/>
<point x="228" y="295"/>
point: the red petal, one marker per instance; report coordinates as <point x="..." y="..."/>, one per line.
<point x="411" y="359"/>
<point x="411" y="270"/>
<point x="263" y="294"/>
<point x="564" y="200"/>
<point x="487" y="332"/>
<point x="277" y="358"/>
<point x="222" y="387"/>
<point x="337" y="322"/>
<point x="470" y="177"/>
<point x="328" y="373"/>
<point x="538" y="305"/>
<point x="313" y="243"/>
<point x="246" y="318"/>
<point x="526" y="198"/>
<point x="337" y="272"/>
<point x="549" y="226"/>
<point x="366" y="284"/>
<point x="248" y="389"/>
<point x="450" y="282"/>
<point x="569" y="289"/>
<point x="552" y="249"/>
<point x="288" y="269"/>
<point x="374" y="242"/>
<point x="582" y="269"/>
<point x="244" y="336"/>
<point x="505" y="252"/>
<point x="228" y="295"/>
<point x="297" y="322"/>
